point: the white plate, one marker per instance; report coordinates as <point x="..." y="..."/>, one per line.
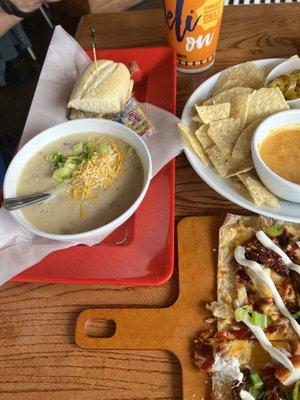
<point x="288" y="211"/>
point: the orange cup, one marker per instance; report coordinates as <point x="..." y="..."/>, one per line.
<point x="193" y="30"/>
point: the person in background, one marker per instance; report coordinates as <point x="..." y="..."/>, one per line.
<point x="13" y="11"/>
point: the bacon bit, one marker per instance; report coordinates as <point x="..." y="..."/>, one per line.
<point x="272" y="389"/>
<point x="295" y="348"/>
<point x="203" y="350"/>
<point x="239" y="331"/>
<point x="242" y="277"/>
<point x="255" y="251"/>
<point x="288" y="294"/>
<point x="207" y="365"/>
<point x="296" y="280"/>
<point x="292" y="249"/>
<point x="203" y="353"/>
<point x="258" y="304"/>
<point x="270" y="329"/>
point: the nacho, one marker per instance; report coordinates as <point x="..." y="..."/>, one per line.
<point x="238" y="166"/>
<point x="197" y="119"/>
<point x="242" y="147"/>
<point x="237" y="286"/>
<point x="227" y="166"/>
<point x="265" y="102"/>
<point x="244" y="75"/>
<point x="192" y="141"/>
<point x="202" y="136"/>
<point x="239" y="108"/>
<point x="228" y="95"/>
<point x="208" y="114"/>
<point x="218" y="159"/>
<point x="225" y="133"/>
<point x="259" y="193"/>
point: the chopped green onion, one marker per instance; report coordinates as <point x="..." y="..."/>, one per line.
<point x="255" y="385"/>
<point x="52" y="158"/>
<point x="258" y="319"/>
<point x="242" y="312"/>
<point x="62" y="174"/>
<point x="74" y="159"/>
<point x="256" y="393"/>
<point x="296" y="391"/>
<point x="255" y="380"/>
<point x="70" y="165"/>
<point x="296" y="315"/>
<point x="78" y="148"/>
<point x="275" y="230"/>
<point x="64" y="166"/>
<point x="104" y="148"/>
<point x="289" y="394"/>
<point x="55" y="158"/>
<point x="89" y="149"/>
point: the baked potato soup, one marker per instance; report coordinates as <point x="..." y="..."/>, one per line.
<point x="93" y="178"/>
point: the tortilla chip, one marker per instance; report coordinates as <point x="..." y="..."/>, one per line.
<point x="218" y="159"/>
<point x="228" y="95"/>
<point x="244" y="75"/>
<point x="265" y="102"/>
<point x="239" y="185"/>
<point x="242" y="147"/>
<point x="225" y="133"/>
<point x="259" y="193"/>
<point x="202" y="136"/>
<point x="237" y="166"/>
<point x="231" y="83"/>
<point x="190" y="139"/>
<point x="239" y="108"/>
<point x="197" y="119"/>
<point x="212" y="113"/>
<point x="227" y="166"/>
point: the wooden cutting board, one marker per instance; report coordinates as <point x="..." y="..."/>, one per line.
<point x="173" y="328"/>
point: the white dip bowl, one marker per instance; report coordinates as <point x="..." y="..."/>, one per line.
<point x="276" y="184"/>
<point x="285" y="68"/>
<point x="66" y="129"/>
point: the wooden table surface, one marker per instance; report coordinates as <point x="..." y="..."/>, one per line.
<point x="38" y="357"/>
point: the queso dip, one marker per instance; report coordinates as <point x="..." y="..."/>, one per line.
<point x="64" y="213"/>
<point x="280" y="151"/>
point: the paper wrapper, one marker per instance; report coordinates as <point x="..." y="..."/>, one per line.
<point x="65" y="61"/>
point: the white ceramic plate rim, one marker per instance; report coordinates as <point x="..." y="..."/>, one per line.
<point x="288" y="211"/>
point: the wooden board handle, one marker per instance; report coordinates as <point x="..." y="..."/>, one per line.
<point x="135" y="329"/>
<point x="146" y="329"/>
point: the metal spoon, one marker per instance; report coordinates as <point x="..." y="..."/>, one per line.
<point x="14" y="203"/>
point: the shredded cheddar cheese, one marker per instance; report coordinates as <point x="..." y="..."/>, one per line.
<point x="100" y="171"/>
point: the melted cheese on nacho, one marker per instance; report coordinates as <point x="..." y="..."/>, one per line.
<point x="267" y="345"/>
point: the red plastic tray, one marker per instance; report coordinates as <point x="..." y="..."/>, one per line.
<point x="141" y="251"/>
